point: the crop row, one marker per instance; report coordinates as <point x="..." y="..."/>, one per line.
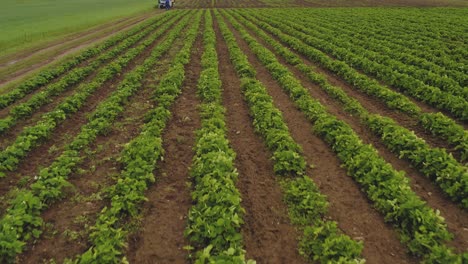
<point x="397" y="39"/>
<point x="73" y="77"/>
<point x="420" y="227"/>
<point x="46" y="76"/>
<point x="416" y="88"/>
<point x="366" y="37"/>
<point x="33" y="136"/>
<point x="436" y="123"/>
<point x="139" y="157"/>
<point x="321" y="239"/>
<point x="426" y="31"/>
<point x="215" y="218"/>
<point x="374" y="50"/>
<point x="435" y="163"/>
<point x="22" y="219"/>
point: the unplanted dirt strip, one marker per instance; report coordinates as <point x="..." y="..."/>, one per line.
<point x="348" y="205"/>
<point x="161" y="236"/>
<point x="268" y="235"/>
<point x="456" y="218"/>
<point x="70" y="217"/>
<point x="66" y="130"/>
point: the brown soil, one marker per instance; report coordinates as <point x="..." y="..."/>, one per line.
<point x="456" y="218"/>
<point x="67" y="129"/>
<point x="58" y="51"/>
<point x="161" y="236"/>
<point x="268" y="235"/>
<point x="350" y="208"/>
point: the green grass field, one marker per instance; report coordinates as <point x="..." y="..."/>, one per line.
<point x="26" y="22"/>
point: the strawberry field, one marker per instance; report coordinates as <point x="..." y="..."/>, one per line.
<point x="259" y="135"/>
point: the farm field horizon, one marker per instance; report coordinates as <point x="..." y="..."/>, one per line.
<point x="246" y="134"/>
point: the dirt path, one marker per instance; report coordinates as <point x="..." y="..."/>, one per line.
<point x="161" y="236"/>
<point x="456" y="218"/>
<point x="29" y="62"/>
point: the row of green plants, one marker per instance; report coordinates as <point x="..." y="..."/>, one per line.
<point x="455" y="105"/>
<point x="420" y="32"/>
<point x="380" y="43"/>
<point x="35" y="135"/>
<point x="321" y="240"/>
<point x="139" y="157"/>
<point x="216" y="216"/>
<point x="421" y="228"/>
<point x="22" y="220"/>
<point x="373" y="49"/>
<point x="435" y="163"/>
<point x="436" y="123"/>
<point x="369" y="37"/>
<point x="75" y="76"/>
<point x="49" y="74"/>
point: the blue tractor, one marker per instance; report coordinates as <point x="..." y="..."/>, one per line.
<point x="162" y="3"/>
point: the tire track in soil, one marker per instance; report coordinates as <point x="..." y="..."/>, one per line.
<point x="40" y="157"/>
<point x="105" y="152"/>
<point x="455" y="217"/>
<point x="160" y="238"/>
<point x="268" y="235"/>
<point x="10" y="134"/>
<point x="348" y="205"/>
